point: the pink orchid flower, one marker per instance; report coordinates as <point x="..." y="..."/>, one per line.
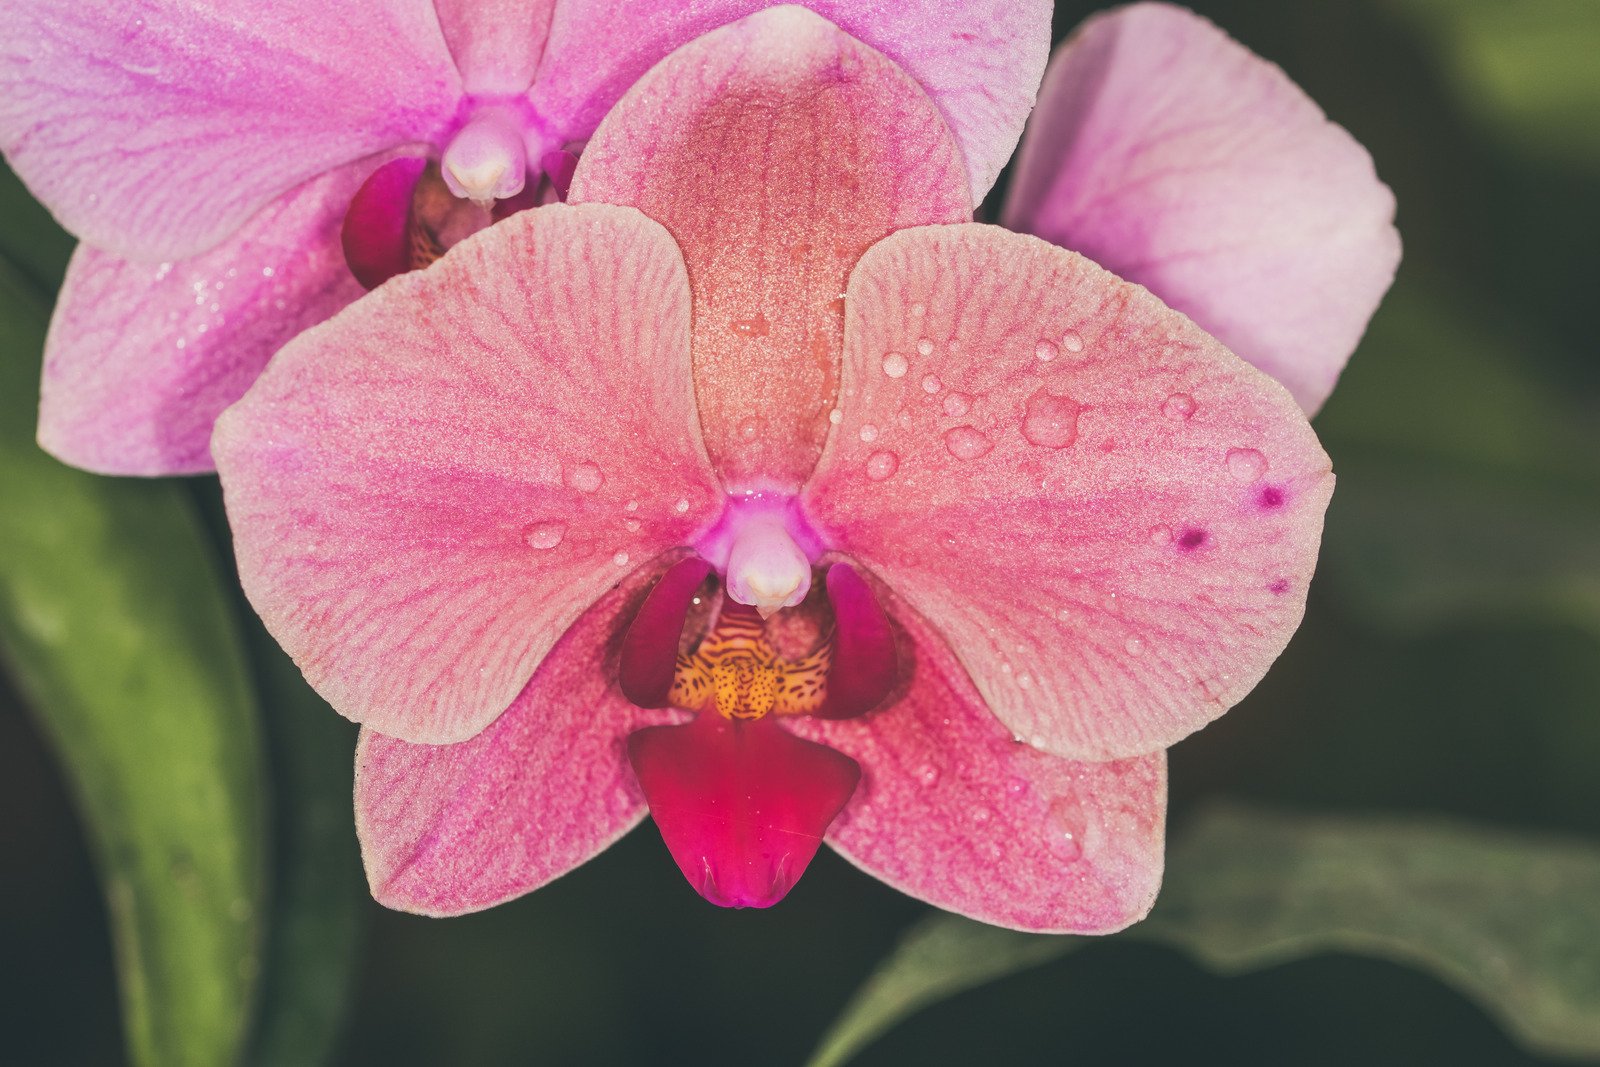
<point x="229" y="164"/>
<point x="759" y="489"/>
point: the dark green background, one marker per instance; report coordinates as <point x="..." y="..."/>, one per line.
<point x="1447" y="665"/>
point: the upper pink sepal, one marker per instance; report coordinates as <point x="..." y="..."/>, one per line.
<point x="980" y="62"/>
<point x="955" y="812"/>
<point x="775" y="150"/>
<point x="650" y="648"/>
<point x="447" y="829"/>
<point x="1112" y="518"/>
<point x="376" y="234"/>
<point x="153" y="129"/>
<point x="1173" y="156"/>
<point x="742" y="806"/>
<point x="496" y="44"/>
<point x="865" y="667"/>
<point x="428" y="489"/>
<point x="141" y="357"/>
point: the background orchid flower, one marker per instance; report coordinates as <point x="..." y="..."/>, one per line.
<point x="228" y="166"/>
<point x="1057" y="526"/>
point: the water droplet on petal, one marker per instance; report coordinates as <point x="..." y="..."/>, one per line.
<point x="966" y="442"/>
<point x="585" y="477"/>
<point x="1046" y="351"/>
<point x="882" y="465"/>
<point x="1179" y="406"/>
<point x="895" y="365"/>
<point x="869" y="433"/>
<point x="1072" y="341"/>
<point x="1066" y="827"/>
<point x="928" y="774"/>
<point x="1024" y="681"/>
<point x="632" y="525"/>
<point x="836" y="416"/>
<point x="931" y="384"/>
<point x="1051" y="421"/>
<point x="620" y="559"/>
<point x="751" y="428"/>
<point x="919" y="309"/>
<point x="1246" y="464"/>
<point x="1134" y="646"/>
<point x="544" y="535"/>
<point x="1160" y="535"/>
<point x="957" y="404"/>
<point x="632" y="505"/>
<point x="1017" y="786"/>
<point x="681" y="506"/>
<point x="925" y="347"/>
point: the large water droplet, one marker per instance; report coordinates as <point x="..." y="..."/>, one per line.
<point x="544" y="535"/>
<point x="1246" y="464"/>
<point x="1072" y="341"/>
<point x="967" y="442"/>
<point x="882" y="465"/>
<point x="1178" y="406"/>
<point x="957" y="404"/>
<point x="585" y="477"/>
<point x="1051" y="421"/>
<point x="931" y="384"/>
<point x="868" y="433"/>
<point x="895" y="365"/>
<point x="836" y="416"/>
<point x="1046" y="351"/>
<point x="1066" y="827"/>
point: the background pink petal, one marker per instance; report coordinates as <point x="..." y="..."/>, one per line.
<point x="496" y="43"/>
<point x="776" y="151"/>
<point x="447" y="829"/>
<point x="428" y="489"/>
<point x="1176" y="158"/>
<point x="955" y="812"/>
<point x="142" y="357"/>
<point x="1111" y="518"/>
<point x="155" y="128"/>
<point x="980" y="62"/>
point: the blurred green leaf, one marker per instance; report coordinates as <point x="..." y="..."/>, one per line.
<point x="319" y="897"/>
<point x="1467" y="481"/>
<point x="115" y="622"/>
<point x="1526" y="69"/>
<point x="30" y="239"/>
<point x="1509" y="920"/>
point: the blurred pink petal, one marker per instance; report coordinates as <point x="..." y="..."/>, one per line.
<point x="979" y="61"/>
<point x="142" y="357"/>
<point x="447" y="829"/>
<point x="1111" y="518"/>
<point x="953" y="811"/>
<point x="1176" y="158"/>
<point x="155" y="128"/>
<point x="775" y="151"/>
<point x="428" y="490"/>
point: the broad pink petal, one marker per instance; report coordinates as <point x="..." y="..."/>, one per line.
<point x="649" y="657"/>
<point x="980" y="62"/>
<point x="1176" y="158"/>
<point x="742" y="806"/>
<point x="1111" y="518"/>
<point x="447" y="829"/>
<point x="428" y="489"/>
<point x="953" y="811"/>
<point x="775" y="151"/>
<point x="155" y="128"/>
<point x="141" y="358"/>
<point x="496" y="43"/>
<point x="376" y="234"/>
<point x="864" y="666"/>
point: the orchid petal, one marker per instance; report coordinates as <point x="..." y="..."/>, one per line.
<point x="742" y="806"/>
<point x="650" y="649"/>
<point x="376" y="235"/>
<point x="775" y="150"/>
<point x="864" y="667"/>
<point x="496" y="43"/>
<point x="1112" y="518"/>
<point x="980" y="62"/>
<point x="154" y="129"/>
<point x="428" y="489"/>
<point x="141" y="358"/>
<point x="955" y="812"/>
<point x="447" y="829"/>
<point x="1175" y="157"/>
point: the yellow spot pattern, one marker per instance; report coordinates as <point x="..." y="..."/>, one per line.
<point x="737" y="671"/>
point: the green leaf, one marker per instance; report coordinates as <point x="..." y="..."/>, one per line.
<point x="1526" y="70"/>
<point x="319" y="897"/>
<point x="116" y="623"/>
<point x="1508" y="920"/>
<point x="31" y="240"/>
